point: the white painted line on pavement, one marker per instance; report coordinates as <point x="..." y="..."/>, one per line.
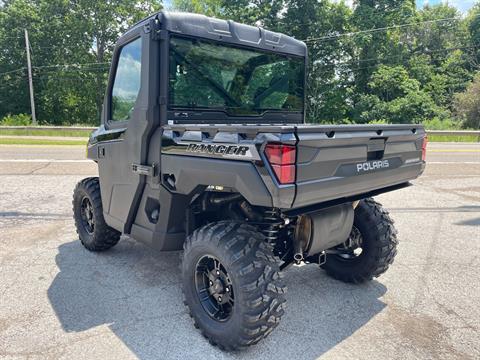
<point x="44" y="161"/>
<point x="453" y="162"/>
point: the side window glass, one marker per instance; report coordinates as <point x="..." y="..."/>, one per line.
<point x="127" y="81"/>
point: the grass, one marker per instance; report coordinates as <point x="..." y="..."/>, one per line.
<point x="453" y="138"/>
<point x="45" y="132"/>
<point x="85" y="134"/>
<point x="25" y="141"/>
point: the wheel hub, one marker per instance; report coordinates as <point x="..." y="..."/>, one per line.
<point x="214" y="288"/>
<point x="87" y="215"/>
<point x="352" y="248"/>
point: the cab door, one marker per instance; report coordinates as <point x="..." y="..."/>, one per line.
<point x="130" y="115"/>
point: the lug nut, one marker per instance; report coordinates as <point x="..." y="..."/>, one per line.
<point x="219" y="298"/>
<point x="227" y="289"/>
<point x="210" y="282"/>
<point x="218" y="272"/>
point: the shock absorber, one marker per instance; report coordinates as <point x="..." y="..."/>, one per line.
<point x="272" y="226"/>
<point x="277" y="233"/>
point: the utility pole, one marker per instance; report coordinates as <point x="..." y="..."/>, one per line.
<point x="30" y="79"/>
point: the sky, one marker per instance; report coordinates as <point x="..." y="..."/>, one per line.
<point x="462" y="5"/>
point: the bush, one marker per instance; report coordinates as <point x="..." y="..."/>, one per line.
<point x="379" y="122"/>
<point x="467" y="105"/>
<point x="439" y="124"/>
<point x="16" y="120"/>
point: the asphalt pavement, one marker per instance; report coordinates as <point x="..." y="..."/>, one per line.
<point x="59" y="301"/>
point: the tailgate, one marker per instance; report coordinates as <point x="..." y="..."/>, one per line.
<point x="347" y="160"/>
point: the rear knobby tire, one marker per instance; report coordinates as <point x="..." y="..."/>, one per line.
<point x="255" y="278"/>
<point x="92" y="230"/>
<point x="379" y="246"/>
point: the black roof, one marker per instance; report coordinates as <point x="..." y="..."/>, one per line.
<point x="226" y="31"/>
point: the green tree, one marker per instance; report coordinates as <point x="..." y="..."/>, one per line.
<point x="378" y="60"/>
<point x="253" y="12"/>
<point x="318" y="22"/>
<point x="394" y="97"/>
<point x="206" y="7"/>
<point x="13" y="81"/>
<point x="467" y="104"/>
<point x="382" y="46"/>
<point x="62" y="32"/>
<point x="104" y="22"/>
<point x="442" y="46"/>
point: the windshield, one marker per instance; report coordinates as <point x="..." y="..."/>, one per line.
<point x="238" y="81"/>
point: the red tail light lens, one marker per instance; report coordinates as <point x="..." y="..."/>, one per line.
<point x="279" y="154"/>
<point x="424" y="148"/>
<point x="282" y="159"/>
<point x="285" y="173"/>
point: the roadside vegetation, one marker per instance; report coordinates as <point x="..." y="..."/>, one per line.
<point x="453" y="138"/>
<point x="30" y="141"/>
<point x="44" y="137"/>
<point x="45" y="132"/>
<point x="379" y="61"/>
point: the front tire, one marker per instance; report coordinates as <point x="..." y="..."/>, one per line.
<point x="92" y="230"/>
<point x="370" y="249"/>
<point x="232" y="284"/>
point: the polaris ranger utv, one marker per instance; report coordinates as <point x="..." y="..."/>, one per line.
<point x="203" y="147"/>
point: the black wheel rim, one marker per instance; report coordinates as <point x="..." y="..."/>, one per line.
<point x="352" y="248"/>
<point x="214" y="288"/>
<point x="86" y="210"/>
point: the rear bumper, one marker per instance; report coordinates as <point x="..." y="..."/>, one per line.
<point x="327" y="189"/>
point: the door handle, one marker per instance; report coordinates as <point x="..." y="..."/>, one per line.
<point x="101" y="152"/>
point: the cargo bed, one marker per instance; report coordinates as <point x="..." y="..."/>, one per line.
<point x="342" y="161"/>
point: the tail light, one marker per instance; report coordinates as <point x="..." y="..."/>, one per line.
<point x="282" y="159"/>
<point x="424" y="148"/>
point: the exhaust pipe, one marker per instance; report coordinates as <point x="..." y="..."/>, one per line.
<point x="300" y="240"/>
<point x="302" y="237"/>
<point x="298" y="257"/>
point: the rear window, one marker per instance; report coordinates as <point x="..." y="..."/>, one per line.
<point x="239" y="81"/>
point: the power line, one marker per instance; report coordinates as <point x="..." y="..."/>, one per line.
<point x="12" y="71"/>
<point x="69" y="65"/>
<point x="16" y="77"/>
<point x="418" y="52"/>
<point x="344" y="82"/>
<point x="11" y="37"/>
<point x="71" y="68"/>
<point x="370" y="67"/>
<point x="329" y="37"/>
<point x="71" y="72"/>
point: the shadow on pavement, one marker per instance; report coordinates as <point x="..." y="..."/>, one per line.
<point x="470" y="222"/>
<point x="24" y="215"/>
<point x="137" y="293"/>
<point x="459" y="209"/>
